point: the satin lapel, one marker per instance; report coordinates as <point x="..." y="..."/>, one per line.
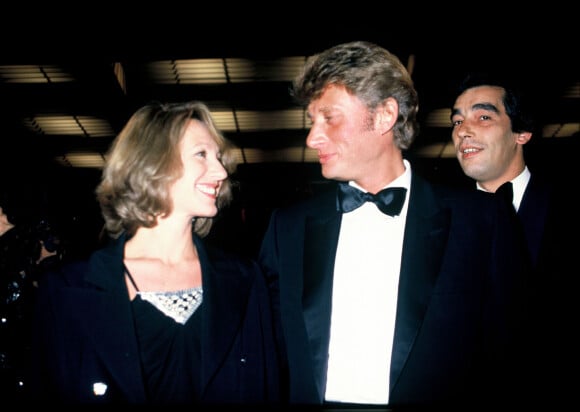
<point x="320" y="241"/>
<point x="426" y="232"/>
<point x="107" y="319"/>
<point x="225" y="294"/>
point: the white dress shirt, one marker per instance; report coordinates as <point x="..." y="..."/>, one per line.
<point x="364" y="302"/>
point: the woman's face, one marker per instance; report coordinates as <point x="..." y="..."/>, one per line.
<point x="195" y="192"/>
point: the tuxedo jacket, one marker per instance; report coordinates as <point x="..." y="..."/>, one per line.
<point x="549" y="221"/>
<point x="534" y="211"/>
<point x="548" y="218"/>
<point x="85" y="333"/>
<point x="459" y="300"/>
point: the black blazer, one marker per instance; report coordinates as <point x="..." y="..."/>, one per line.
<point x="462" y="272"/>
<point x="549" y="218"/>
<point x="538" y="204"/>
<point x="85" y="333"/>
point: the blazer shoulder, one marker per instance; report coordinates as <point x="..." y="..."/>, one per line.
<point x="317" y="202"/>
<point x="470" y="196"/>
<point x="87" y="271"/>
<point x="66" y="274"/>
<point x="459" y="196"/>
<point x="225" y="261"/>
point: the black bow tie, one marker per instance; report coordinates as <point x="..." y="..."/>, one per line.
<point x="389" y="201"/>
<point x="506" y="191"/>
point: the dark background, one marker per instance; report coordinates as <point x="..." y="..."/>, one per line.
<point x="538" y="47"/>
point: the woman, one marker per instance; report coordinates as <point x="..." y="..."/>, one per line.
<point x="156" y="316"/>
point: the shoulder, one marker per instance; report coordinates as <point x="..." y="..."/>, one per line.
<point x="478" y="206"/>
<point x="217" y="254"/>
<point x="455" y="197"/>
<point x="464" y="197"/>
<point x="542" y="186"/>
<point x="230" y="271"/>
<point x="466" y="210"/>
<point x="319" y="202"/>
<point x="67" y="274"/>
<point x="226" y="261"/>
<point x="75" y="272"/>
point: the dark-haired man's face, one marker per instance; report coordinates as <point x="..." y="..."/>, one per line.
<point x="486" y="148"/>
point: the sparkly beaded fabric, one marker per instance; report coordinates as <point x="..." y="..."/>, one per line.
<point x="179" y="305"/>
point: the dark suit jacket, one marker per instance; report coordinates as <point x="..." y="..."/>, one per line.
<point x="459" y="296"/>
<point x="549" y="218"/>
<point x="536" y="208"/>
<point x="85" y="333"/>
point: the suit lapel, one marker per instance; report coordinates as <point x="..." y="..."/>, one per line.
<point x="305" y="300"/>
<point x="426" y="231"/>
<point x="110" y="319"/>
<point x="226" y="292"/>
<point x="532" y="213"/>
<point x="321" y="238"/>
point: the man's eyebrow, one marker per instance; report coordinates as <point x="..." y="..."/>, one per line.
<point x="485" y="106"/>
<point x="490" y="107"/>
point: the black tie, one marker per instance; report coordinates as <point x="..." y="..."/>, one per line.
<point x="389" y="201"/>
<point x="506" y="191"/>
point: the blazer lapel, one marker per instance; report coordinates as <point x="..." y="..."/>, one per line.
<point x="110" y="323"/>
<point x="425" y="237"/>
<point x="305" y="299"/>
<point x="321" y="238"/>
<point x="226" y="292"/>
<point x="532" y="213"/>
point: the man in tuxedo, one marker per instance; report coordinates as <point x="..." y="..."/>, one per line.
<point x="402" y="297"/>
<point x="492" y="122"/>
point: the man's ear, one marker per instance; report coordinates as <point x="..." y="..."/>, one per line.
<point x="523" y="137"/>
<point x="386" y="115"/>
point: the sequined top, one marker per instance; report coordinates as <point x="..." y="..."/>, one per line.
<point x="168" y="326"/>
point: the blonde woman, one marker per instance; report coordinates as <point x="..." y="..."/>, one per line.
<point x="156" y="316"/>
